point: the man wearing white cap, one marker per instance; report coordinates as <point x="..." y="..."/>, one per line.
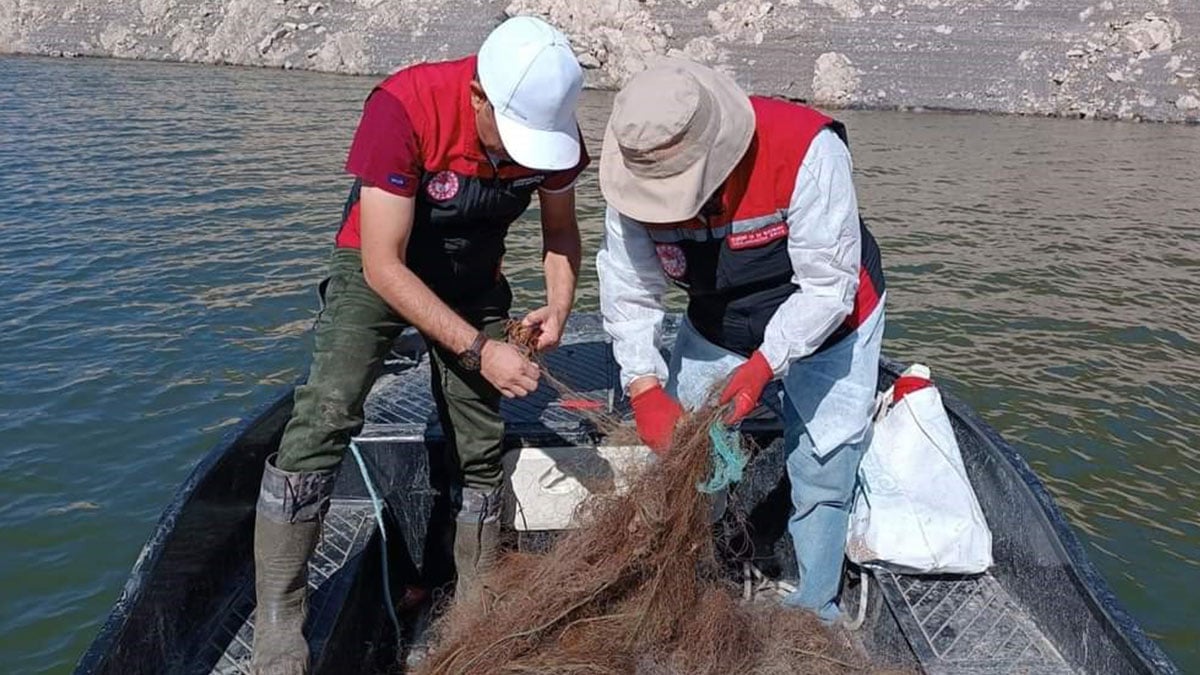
<point x="447" y="155"/>
<point x="747" y="204"/>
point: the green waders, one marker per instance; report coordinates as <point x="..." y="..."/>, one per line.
<point x="354" y="333"/>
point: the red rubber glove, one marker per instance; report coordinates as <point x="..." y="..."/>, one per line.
<point x="746" y="387"/>
<point x="656" y="414"/>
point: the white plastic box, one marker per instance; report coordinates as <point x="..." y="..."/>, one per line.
<point x="544" y="486"/>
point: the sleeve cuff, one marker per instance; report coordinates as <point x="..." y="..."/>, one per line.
<point x="560" y="190"/>
<point x="776" y="356"/>
<point x="396" y="184"/>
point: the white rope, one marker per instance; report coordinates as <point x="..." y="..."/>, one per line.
<point x="377" y="503"/>
<point x="754" y="582"/>
<point x="864" y="581"/>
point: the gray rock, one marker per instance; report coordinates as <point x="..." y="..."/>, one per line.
<point x="835" y="79"/>
<point x="1105" y="58"/>
<point x="1187" y="103"/>
<point x="267" y="42"/>
<point x="1151" y="33"/>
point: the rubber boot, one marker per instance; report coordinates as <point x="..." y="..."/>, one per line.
<point x="291" y="507"/>
<point x="476" y="539"/>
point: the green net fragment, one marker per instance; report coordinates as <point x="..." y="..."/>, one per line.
<point x="728" y="460"/>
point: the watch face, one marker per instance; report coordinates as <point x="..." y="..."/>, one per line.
<point x="469" y="359"/>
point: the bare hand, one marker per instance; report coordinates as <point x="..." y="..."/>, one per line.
<point x="550" y="323"/>
<point x="508" y="370"/>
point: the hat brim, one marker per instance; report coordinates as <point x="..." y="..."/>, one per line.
<point x="540" y="149"/>
<point x="681" y="196"/>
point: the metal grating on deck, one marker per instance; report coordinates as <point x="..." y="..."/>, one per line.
<point x="348" y="527"/>
<point x="968" y="625"/>
<point x="400" y="404"/>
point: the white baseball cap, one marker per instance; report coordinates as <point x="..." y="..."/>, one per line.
<point x="531" y="78"/>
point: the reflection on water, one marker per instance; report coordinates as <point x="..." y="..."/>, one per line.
<point x="164" y="226"/>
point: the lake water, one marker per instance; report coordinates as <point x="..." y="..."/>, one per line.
<point x="164" y="226"/>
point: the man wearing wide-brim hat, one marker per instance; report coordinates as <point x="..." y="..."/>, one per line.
<point x="746" y="203"/>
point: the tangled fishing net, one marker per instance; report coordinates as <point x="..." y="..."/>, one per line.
<point x="637" y="588"/>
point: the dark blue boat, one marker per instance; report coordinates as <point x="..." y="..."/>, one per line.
<point x="188" y="604"/>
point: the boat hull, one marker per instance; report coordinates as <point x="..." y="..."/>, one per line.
<point x="188" y="604"/>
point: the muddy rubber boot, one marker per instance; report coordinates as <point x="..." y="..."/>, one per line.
<point x="476" y="539"/>
<point x="288" y="524"/>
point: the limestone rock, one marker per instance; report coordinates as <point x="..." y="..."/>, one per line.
<point x="702" y="50"/>
<point x="1187" y="103"/>
<point x="1150" y="34"/>
<point x="267" y="42"/>
<point x="847" y="9"/>
<point x="835" y="79"/>
<point x="1106" y="58"/>
<point x="620" y="36"/>
<point x="740" y="20"/>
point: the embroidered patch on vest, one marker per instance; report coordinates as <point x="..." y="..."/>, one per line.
<point x="760" y="237"/>
<point x="673" y="260"/>
<point x="443" y="185"/>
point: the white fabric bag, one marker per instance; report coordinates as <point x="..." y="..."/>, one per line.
<point x="915" y="511"/>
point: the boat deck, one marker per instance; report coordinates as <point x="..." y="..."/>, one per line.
<point x="349" y="526"/>
<point x="968" y="625"/>
<point x="951" y="624"/>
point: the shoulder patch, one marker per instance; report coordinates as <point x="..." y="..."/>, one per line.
<point x="673" y="259"/>
<point x="443" y="186"/>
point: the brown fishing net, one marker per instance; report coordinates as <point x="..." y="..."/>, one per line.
<point x="637" y="588"/>
<point x="522" y="336"/>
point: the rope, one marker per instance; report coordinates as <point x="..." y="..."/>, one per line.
<point x="377" y="504"/>
<point x="728" y="460"/>
<point x="754" y="583"/>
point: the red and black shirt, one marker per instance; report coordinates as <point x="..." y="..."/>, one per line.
<point x="417" y="138"/>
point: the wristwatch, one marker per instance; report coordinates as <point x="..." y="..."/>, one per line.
<point x="472" y="358"/>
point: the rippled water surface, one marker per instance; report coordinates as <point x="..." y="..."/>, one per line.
<point x="163" y="227"/>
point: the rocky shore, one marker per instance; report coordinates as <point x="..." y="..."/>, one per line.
<point x="1122" y="59"/>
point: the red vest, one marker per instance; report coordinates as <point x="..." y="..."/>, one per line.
<point x="734" y="264"/>
<point x="464" y="203"/>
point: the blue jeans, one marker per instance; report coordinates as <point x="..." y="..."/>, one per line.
<point x="827" y="403"/>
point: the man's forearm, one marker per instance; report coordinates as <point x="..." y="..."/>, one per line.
<point x="561" y="265"/>
<point x="632" y="285"/>
<point x="415" y="302"/>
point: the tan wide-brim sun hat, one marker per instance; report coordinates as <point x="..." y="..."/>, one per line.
<point x="676" y="132"/>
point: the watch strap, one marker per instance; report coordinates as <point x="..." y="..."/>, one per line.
<point x="477" y="346"/>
